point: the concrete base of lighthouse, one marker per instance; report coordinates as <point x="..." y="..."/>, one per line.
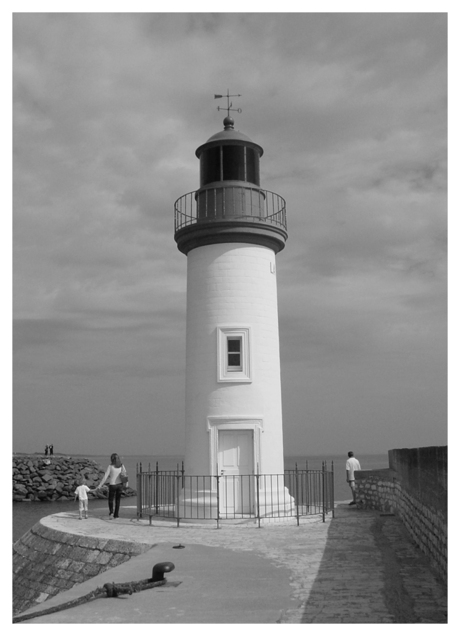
<point x="240" y="497"/>
<point x="276" y="502"/>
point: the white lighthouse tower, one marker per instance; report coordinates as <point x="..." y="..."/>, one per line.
<point x="231" y="229"/>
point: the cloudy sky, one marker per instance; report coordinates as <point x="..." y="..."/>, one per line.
<point x="108" y="111"/>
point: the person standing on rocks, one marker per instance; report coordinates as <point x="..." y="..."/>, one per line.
<point x="352" y="465"/>
<point x="46" y="450"/>
<point x="113" y="475"/>
<point x="51" y="449"/>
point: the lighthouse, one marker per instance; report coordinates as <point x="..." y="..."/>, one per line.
<point x="231" y="229"/>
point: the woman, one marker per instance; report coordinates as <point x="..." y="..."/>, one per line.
<point x="112" y="474"/>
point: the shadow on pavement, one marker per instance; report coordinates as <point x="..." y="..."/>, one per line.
<point x="372" y="572"/>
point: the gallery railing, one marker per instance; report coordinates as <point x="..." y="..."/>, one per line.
<point x="230" y="203"/>
<point x="296" y="493"/>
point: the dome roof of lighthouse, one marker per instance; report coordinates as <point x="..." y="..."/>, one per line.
<point x="228" y="136"/>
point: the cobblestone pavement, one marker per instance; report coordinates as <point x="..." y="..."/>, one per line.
<point x="371" y="572"/>
<point x="360" y="567"/>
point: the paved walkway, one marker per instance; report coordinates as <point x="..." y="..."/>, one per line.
<point x="361" y="567"/>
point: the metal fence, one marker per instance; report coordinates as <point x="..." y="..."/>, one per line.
<point x="296" y="493"/>
<point x="230" y="203"/>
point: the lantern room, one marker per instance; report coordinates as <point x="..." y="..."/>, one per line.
<point x="230" y="206"/>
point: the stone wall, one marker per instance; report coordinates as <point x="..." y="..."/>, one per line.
<point x="414" y="488"/>
<point x="47" y="561"/>
<point x="53" y="477"/>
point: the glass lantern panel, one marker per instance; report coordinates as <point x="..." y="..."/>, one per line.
<point x="210" y="165"/>
<point x="252" y="166"/>
<point x="233" y="163"/>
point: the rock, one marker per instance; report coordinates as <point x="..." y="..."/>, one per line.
<point x="49" y="479"/>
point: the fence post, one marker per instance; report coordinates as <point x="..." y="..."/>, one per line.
<point x="332" y="490"/>
<point x="324" y="490"/>
<point x="306" y="497"/>
<point x="148" y="490"/>
<point x="258" y="495"/>
<point x="157" y="484"/>
<point x="141" y="488"/>
<point x="218" y="497"/>
<point x="177" y="496"/>
<point x="139" y="492"/>
<point x="297" y="494"/>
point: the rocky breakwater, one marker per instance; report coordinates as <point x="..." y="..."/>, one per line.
<point x="42" y="478"/>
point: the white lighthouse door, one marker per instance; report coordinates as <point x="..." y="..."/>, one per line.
<point x="236" y="466"/>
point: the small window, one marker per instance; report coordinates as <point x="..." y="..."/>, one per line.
<point x="233" y="354"/>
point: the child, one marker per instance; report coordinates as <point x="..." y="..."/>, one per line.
<point x="81" y="493"/>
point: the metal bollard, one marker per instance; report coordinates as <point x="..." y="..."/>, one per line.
<point x="160" y="569"/>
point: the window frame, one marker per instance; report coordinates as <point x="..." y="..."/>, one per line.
<point x="233" y="368"/>
<point x="225" y="372"/>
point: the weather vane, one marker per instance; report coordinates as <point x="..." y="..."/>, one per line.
<point x="228" y="108"/>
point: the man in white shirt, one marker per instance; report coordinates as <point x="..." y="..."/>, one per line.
<point x="352" y="465"/>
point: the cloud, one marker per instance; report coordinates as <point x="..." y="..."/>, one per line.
<point x="108" y="111"/>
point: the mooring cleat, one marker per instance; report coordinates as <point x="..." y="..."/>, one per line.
<point x="160" y="569"/>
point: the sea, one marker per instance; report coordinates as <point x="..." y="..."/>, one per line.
<point x="26" y="514"/>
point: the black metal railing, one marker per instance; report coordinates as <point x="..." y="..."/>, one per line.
<point x="230" y="203"/>
<point x="296" y="493"/>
